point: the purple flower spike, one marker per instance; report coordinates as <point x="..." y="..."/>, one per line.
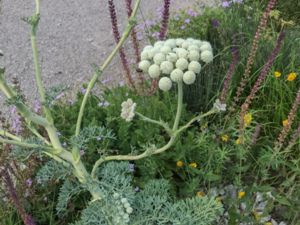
<point x="165" y="19"/>
<point x="215" y="23"/>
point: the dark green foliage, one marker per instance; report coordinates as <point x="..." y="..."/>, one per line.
<point x="52" y="171"/>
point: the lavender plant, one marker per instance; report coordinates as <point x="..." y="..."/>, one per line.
<point x="113" y="197"/>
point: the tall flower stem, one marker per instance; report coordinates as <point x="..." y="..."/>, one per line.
<point x="130" y="25"/>
<point x="261" y="27"/>
<point x="179" y="106"/>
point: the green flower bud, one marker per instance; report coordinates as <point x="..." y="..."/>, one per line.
<point x="176" y="75"/>
<point x="182" y="53"/>
<point x="159" y="58"/>
<point x="207" y="56"/>
<point x="182" y="64"/>
<point x="194" y="55"/>
<point x="144" y="65"/>
<point x="154" y="71"/>
<point x="166" y="67"/>
<point x="189" y="77"/>
<point x="165" y="49"/>
<point x="172" y="57"/>
<point x="195" y="67"/>
<point x="179" y="42"/>
<point x="165" y="84"/>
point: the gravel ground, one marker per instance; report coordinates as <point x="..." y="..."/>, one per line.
<point x="72" y="36"/>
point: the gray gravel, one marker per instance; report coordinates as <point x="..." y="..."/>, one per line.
<point x="72" y="35"/>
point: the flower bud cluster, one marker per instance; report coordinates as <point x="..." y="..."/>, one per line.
<point x="124" y="210"/>
<point x="175" y="60"/>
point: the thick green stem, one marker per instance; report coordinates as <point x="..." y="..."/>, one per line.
<point x="96" y="75"/>
<point x="160" y="123"/>
<point x="9" y="135"/>
<point x="179" y="106"/>
<point x="38" y="76"/>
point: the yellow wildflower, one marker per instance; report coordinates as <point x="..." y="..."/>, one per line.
<point x="179" y="163"/>
<point x="241" y="194"/>
<point x="277" y="74"/>
<point x="275" y="14"/>
<point x="225" y="138"/>
<point x="193" y="164"/>
<point x="285" y="122"/>
<point x="291" y="76"/>
<point x="200" y="194"/>
<point x="219" y="199"/>
<point x="247" y="119"/>
<point x="268" y="223"/>
<point x="256" y="215"/>
<point x="238" y="141"/>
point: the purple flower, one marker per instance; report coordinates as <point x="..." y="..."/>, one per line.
<point x="16" y="125"/>
<point x="137" y="189"/>
<point x="36" y="106"/>
<point x="83" y="91"/>
<point x="156" y="35"/>
<point x="225" y="4"/>
<point x="182" y="27"/>
<point x="215" y="23"/>
<point x="237" y="1"/>
<point x="60" y="96"/>
<point x="192" y="13"/>
<point x="29" y="182"/>
<point x="187" y="21"/>
<point x="131" y="167"/>
<point x="82" y="152"/>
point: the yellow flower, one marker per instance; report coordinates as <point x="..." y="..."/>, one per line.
<point x="291" y="76"/>
<point x="179" y="163"/>
<point x="277" y="74"/>
<point x="241" y="194"/>
<point x="193" y="164"/>
<point x="268" y="223"/>
<point x="225" y="138"/>
<point x="219" y="199"/>
<point x="256" y="215"/>
<point x="200" y="194"/>
<point x="285" y="122"/>
<point x="247" y="119"/>
<point x="238" y="141"/>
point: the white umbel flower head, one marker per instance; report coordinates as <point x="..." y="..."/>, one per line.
<point x="166" y="67"/>
<point x="128" y="108"/>
<point x="171" y="43"/>
<point x="193" y="47"/>
<point x="182" y="64"/>
<point x="176" y="75"/>
<point x="205" y="46"/>
<point x="159" y="58"/>
<point x="194" y="55"/>
<point x="189" y="77"/>
<point x="195" y="67"/>
<point x="165" y="84"/>
<point x="144" y="65"/>
<point x="182" y="53"/>
<point x="166" y="49"/>
<point x="144" y="55"/>
<point x="154" y="71"/>
<point x="172" y="57"/>
<point x="219" y="106"/>
<point x="159" y="44"/>
<point x="207" y="56"/>
<point x="179" y="42"/>
<point x="185" y="44"/>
